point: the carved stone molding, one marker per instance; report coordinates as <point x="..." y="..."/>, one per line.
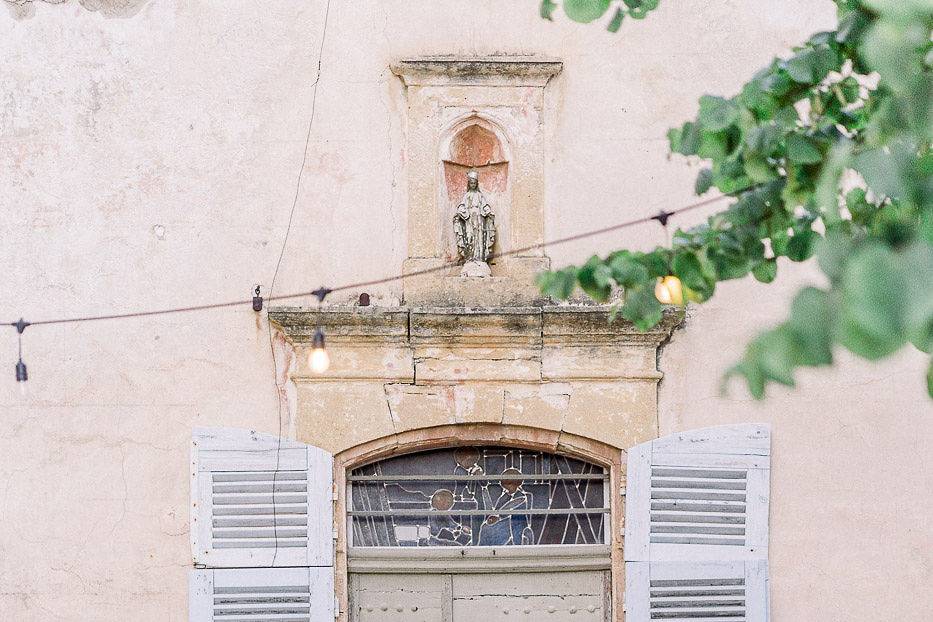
<point x="490" y="70"/>
<point x="489" y="327"/>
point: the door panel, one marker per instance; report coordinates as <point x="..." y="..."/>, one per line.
<point x="400" y="598"/>
<point x="489" y="597"/>
<point x="546" y="596"/>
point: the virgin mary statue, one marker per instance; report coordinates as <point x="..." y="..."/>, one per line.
<point x="474" y="229"/>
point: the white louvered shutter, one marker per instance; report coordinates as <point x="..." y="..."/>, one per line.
<point x="268" y="594"/>
<point x="696" y="521"/>
<point x="239" y="521"/>
<point x="261" y="529"/>
<point x="725" y="591"/>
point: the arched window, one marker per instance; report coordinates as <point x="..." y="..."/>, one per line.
<point x="478" y="496"/>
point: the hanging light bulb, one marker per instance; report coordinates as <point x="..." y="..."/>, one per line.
<point x="319" y="359"/>
<point x="22" y="374"/>
<point x="669" y="290"/>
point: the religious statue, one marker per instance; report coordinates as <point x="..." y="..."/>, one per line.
<point x="475" y="229"/>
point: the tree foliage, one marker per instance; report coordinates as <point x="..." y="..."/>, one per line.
<point x="825" y="152"/>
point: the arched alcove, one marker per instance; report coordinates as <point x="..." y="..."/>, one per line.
<point x="475" y="143"/>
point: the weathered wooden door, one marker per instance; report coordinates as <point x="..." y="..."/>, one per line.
<point x="577" y="596"/>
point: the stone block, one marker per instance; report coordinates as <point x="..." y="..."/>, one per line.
<point x="456" y="370"/>
<point x="339" y="415"/>
<point x="540" y="405"/>
<point x="475" y="326"/>
<point x="565" y="362"/>
<point x="414" y="407"/>
<point x="383" y="363"/>
<point x="621" y="414"/>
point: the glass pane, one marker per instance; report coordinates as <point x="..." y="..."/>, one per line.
<point x="478" y="496"/>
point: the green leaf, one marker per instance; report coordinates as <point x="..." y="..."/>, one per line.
<point x="713" y="146"/>
<point x="595" y="279"/>
<point x="883" y="170"/>
<point x="655" y="262"/>
<point x="558" y="284"/>
<point x="930" y="378"/>
<point x="758" y="169"/>
<point x="685" y="140"/>
<point x="547" y="9"/>
<point x="803" y="150"/>
<point x="800" y="247"/>
<point x="850" y="90"/>
<point x="704" y="181"/>
<point x="766" y="271"/>
<point x="758" y="100"/>
<point x="874" y="304"/>
<point x="753" y="378"/>
<point x="859" y="207"/>
<point x="926" y="225"/>
<point x="642" y="308"/>
<point x="811" y="322"/>
<point x="616" y="22"/>
<point x="918" y="269"/>
<point x="812" y="64"/>
<point x="787" y="117"/>
<point x="585" y="11"/>
<point x="627" y="272"/>
<point x="717" y="113"/>
<point x="764" y="139"/>
<point x="687" y="267"/>
<point x="775" y="353"/>
<point x="727" y="265"/>
<point x="832" y="253"/>
<point x="777" y="83"/>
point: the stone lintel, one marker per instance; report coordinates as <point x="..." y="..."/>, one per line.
<point x="477" y="70"/>
<point x="477" y="326"/>
<point x="576" y="325"/>
<point x="591" y="325"/>
<point x="345" y="325"/>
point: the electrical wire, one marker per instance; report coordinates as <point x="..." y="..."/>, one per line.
<point x="664" y="215"/>
<point x="275" y="274"/>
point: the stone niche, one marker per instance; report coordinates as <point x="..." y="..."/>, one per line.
<point x="489" y="115"/>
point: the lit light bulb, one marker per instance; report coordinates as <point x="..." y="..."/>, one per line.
<point x="21" y="377"/>
<point x="669" y="291"/>
<point x="319" y="359"/>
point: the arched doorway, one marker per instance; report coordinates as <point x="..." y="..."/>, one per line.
<point x="479" y="531"/>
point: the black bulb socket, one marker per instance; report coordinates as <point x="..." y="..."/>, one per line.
<point x="21" y="374"/>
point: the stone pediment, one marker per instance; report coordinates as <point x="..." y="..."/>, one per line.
<point x="448" y="69"/>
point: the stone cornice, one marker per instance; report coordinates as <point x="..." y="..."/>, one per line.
<point x="363" y="325"/>
<point x="575" y="325"/>
<point x="477" y="70"/>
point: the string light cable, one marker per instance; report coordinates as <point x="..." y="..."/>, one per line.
<point x="321" y="292"/>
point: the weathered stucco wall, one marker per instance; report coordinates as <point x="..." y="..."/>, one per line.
<point x="151" y="160"/>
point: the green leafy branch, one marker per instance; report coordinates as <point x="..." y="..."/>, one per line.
<point x="586" y="11"/>
<point x="826" y="152"/>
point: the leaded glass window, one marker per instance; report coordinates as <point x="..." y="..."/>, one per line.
<point x="478" y="496"/>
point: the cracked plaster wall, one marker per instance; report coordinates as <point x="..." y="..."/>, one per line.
<point x="151" y="160"/>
